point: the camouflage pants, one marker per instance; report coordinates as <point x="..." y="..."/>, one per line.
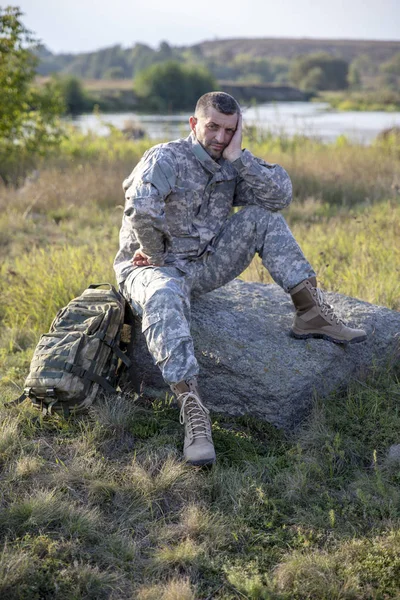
<point x="162" y="294"/>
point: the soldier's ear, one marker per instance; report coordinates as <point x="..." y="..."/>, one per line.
<point x="193" y="122"/>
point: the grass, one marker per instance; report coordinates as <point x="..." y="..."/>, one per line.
<point x="103" y="506"/>
<point x="355" y="252"/>
<point x="98" y="84"/>
<point x="364" y="100"/>
<point x="318" y="510"/>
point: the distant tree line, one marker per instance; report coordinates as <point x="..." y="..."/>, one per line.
<point x="108" y="63"/>
<point x="168" y="80"/>
<point x="311" y="71"/>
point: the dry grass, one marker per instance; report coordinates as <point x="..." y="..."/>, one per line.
<point x="176" y="589"/>
<point x="352" y="570"/>
<point x="355" y="253"/>
<point x="98" y="84"/>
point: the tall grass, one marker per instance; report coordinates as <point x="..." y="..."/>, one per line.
<point x="45" y="280"/>
<point x="356" y="253"/>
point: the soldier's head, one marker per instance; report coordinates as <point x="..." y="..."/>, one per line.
<point x="214" y="122"/>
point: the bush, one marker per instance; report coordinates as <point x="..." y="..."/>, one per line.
<point x="170" y="86"/>
<point x="332" y="74"/>
<point x="75" y="99"/>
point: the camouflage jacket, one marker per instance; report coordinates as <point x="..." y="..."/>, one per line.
<point x="178" y="198"/>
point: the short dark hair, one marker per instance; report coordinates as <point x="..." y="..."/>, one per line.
<point x="221" y="101"/>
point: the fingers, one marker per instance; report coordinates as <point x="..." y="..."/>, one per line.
<point x="239" y="123"/>
<point x="237" y="138"/>
<point x="140" y="260"/>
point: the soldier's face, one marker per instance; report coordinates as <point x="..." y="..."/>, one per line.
<point x="214" y="131"/>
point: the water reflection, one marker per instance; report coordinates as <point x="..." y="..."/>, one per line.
<point x="313" y="119"/>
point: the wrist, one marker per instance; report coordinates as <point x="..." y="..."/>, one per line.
<point x="156" y="259"/>
<point x="232" y="156"/>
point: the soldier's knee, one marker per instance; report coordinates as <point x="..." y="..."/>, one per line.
<point x="165" y="293"/>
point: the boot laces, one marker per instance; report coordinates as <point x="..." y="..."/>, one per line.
<point x="195" y="415"/>
<point x="326" y="308"/>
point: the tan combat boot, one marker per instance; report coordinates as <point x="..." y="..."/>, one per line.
<point x="198" y="447"/>
<point x="316" y="318"/>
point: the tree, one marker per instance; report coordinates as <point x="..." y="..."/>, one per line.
<point x="354" y="77"/>
<point x="314" y="80"/>
<point x="365" y="65"/>
<point x="393" y="65"/>
<point x="171" y="86"/>
<point x="363" y="72"/>
<point x="141" y="57"/>
<point x="114" y="73"/>
<point x="74" y="97"/>
<point x="28" y="116"/>
<point x="391" y="72"/>
<point x="334" y="71"/>
<point x="250" y="68"/>
<point x="165" y="51"/>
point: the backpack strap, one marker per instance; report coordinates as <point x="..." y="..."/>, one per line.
<point x="17" y="401"/>
<point x="90" y="376"/>
<point x="93" y="286"/>
<point x="26" y="394"/>
<point x="121" y="355"/>
<point x="116" y="349"/>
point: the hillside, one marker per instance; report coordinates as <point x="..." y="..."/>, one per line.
<point x="224" y="58"/>
<point x="289" y="48"/>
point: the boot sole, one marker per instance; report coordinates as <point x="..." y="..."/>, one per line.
<point x="324" y="336"/>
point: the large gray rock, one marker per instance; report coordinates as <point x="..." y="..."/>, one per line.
<point x="249" y="363"/>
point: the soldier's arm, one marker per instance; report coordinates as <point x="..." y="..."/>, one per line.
<point x="267" y="185"/>
<point x="145" y="191"/>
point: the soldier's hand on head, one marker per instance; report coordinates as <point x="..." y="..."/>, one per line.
<point x="234" y="149"/>
<point x="140" y="259"/>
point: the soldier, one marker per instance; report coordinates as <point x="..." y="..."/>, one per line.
<point x="179" y="238"/>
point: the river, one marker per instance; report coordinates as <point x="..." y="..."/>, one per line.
<point x="313" y="119"/>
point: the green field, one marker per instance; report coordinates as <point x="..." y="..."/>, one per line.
<point x="102" y="506"/>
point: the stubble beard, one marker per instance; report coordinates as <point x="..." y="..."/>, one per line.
<point x="215" y="154"/>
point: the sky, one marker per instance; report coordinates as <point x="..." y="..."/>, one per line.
<point x="83" y="25"/>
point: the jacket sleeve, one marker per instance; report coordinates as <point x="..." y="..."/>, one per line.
<point x="261" y="183"/>
<point x="145" y="191"/>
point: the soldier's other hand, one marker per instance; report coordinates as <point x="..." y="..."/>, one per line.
<point x="234" y="149"/>
<point x="140" y="259"/>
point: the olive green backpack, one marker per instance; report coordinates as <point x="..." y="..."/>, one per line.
<point x="82" y="353"/>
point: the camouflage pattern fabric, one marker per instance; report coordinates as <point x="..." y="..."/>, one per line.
<point x="162" y="294"/>
<point x="178" y="211"/>
<point x="178" y="198"/>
